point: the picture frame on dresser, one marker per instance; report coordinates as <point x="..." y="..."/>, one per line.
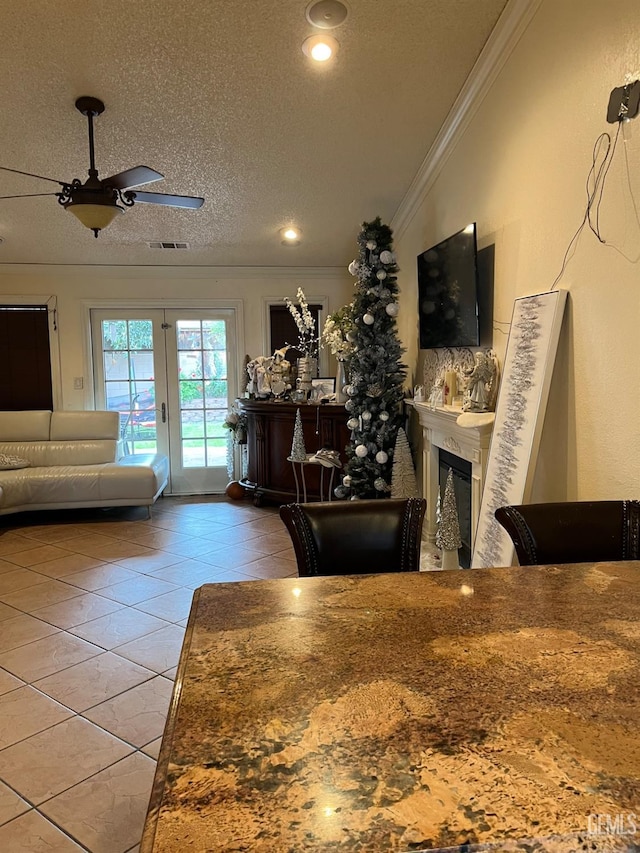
<point x="323" y="386"/>
<point x="524" y="391"/>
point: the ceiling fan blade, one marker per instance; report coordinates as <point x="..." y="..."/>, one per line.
<point x="26" y="195"/>
<point x="189" y="201"/>
<point x="31" y="175"/>
<point x="132" y="178"/>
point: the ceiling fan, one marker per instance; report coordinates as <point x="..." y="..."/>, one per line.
<point x="99" y="200"/>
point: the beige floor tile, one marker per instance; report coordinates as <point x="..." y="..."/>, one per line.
<point x="233" y="535"/>
<point x="6" y="566"/>
<point x="119" y="550"/>
<point x="51" y="534"/>
<point x="159" y="539"/>
<point x="153" y="749"/>
<point x="7" y="612"/>
<point x="26" y="711"/>
<point x="269" y="568"/>
<point x="40" y="595"/>
<point x="86" y="542"/>
<point x="33" y="833"/>
<point x="46" y="656"/>
<point x="64" y="566"/>
<point x="11" y="805"/>
<point x="137" y="716"/>
<point x="148" y="563"/>
<point x="49" y="762"/>
<point x="39" y="554"/>
<point x="173" y="606"/>
<point x="19" y="579"/>
<point x="193" y="548"/>
<point x="171" y="673"/>
<point x="94" y="681"/>
<point x="119" y="627"/>
<point x="271" y="543"/>
<point x="12" y="543"/>
<point x="158" y="651"/>
<point x="190" y="573"/>
<point x="138" y="589"/>
<point x="267" y="524"/>
<point x="75" y="611"/>
<point x="105" y="574"/>
<point x="106" y="813"/>
<point x="9" y="682"/>
<point x="21" y="630"/>
<point x="231" y="558"/>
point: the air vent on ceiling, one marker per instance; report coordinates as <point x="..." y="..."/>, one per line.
<point x="167" y="245"/>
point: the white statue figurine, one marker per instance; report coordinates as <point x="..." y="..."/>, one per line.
<point x="481" y="384"/>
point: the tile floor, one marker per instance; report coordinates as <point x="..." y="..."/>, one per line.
<point x="93" y="606"/>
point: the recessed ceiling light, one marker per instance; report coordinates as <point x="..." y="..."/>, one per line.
<point x="290" y="236"/>
<point x="326" y="14"/>
<point x="320" y="47"/>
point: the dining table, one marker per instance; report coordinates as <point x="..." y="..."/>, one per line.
<point x="473" y="710"/>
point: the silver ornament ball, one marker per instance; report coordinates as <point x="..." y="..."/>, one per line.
<point x="384" y="416"/>
<point x="381" y="457"/>
<point x="386" y="257"/>
<point x="392" y="309"/>
<point x="346" y="481"/>
<point x="353" y="423"/>
<point x="366" y="416"/>
<point x="369" y="319"/>
<point x="361" y="451"/>
<point x="379" y="484"/>
<point x="381" y="275"/>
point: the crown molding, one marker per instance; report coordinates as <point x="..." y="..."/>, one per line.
<point x="504" y="37"/>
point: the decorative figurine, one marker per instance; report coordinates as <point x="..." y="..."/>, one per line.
<point x="482" y="383"/>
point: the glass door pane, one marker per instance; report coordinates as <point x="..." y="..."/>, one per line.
<point x="203" y="341"/>
<point x="130" y="372"/>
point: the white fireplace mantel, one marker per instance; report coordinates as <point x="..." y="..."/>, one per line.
<point x="441" y="429"/>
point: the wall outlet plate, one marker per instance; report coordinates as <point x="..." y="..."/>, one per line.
<point x="624" y="102"/>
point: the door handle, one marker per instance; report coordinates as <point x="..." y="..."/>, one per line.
<point x="163" y="410"/>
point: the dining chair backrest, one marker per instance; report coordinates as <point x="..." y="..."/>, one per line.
<point x="355" y="537"/>
<point x="573" y="532"/>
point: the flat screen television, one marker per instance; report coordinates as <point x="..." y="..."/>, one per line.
<point x="448" y="292"/>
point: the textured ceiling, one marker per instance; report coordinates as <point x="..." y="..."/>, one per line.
<point x="218" y="96"/>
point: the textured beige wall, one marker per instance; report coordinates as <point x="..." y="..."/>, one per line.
<point x="519" y="170"/>
<point x="76" y="287"/>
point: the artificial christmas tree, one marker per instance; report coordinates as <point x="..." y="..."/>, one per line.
<point x="403" y="475"/>
<point x="375" y="389"/>
<point x="298" y="450"/>
<point x="448" y="535"/>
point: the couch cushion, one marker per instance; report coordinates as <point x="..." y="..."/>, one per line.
<point x="11" y="463"/>
<point x="44" y="453"/>
<point x="70" y="426"/>
<point x="25" y="426"/>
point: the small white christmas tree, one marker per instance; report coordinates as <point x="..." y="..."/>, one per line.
<point x="298" y="451"/>
<point x="448" y="535"/>
<point x="403" y="475"/>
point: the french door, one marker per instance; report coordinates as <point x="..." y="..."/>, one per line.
<point x="171" y="376"/>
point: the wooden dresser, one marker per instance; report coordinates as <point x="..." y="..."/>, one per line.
<point x="270" y="436"/>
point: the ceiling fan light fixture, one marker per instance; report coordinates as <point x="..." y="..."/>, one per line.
<point x="94" y="216"/>
<point x="320" y="47"/>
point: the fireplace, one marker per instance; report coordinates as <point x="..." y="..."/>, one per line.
<point x="467" y="443"/>
<point x="462" y="488"/>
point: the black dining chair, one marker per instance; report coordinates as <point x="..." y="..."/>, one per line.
<point x="573" y="532"/>
<point x="356" y="537"/>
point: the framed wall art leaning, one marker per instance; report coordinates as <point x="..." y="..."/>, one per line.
<point x="522" y="402"/>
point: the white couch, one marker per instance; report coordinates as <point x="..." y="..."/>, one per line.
<point x="74" y="460"/>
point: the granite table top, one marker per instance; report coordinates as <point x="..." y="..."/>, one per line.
<point x="488" y="709"/>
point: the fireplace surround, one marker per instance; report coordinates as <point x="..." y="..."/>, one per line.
<point x="467" y="441"/>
